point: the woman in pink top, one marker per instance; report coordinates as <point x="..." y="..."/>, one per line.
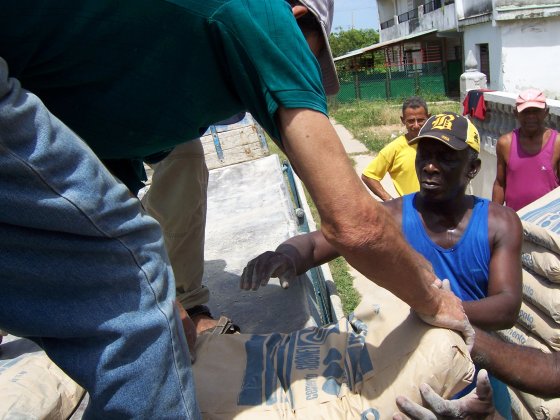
<point x="528" y="157"/>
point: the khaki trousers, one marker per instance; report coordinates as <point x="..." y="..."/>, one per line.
<point x="177" y="200"/>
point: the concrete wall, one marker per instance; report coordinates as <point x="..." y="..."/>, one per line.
<point x="471" y="8"/>
<point x="385" y="9"/>
<point x="485" y="33"/>
<point x="522" y="3"/>
<point x="531" y="55"/>
<point x="443" y="19"/>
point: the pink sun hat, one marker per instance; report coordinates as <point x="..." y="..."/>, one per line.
<point x="530" y="98"/>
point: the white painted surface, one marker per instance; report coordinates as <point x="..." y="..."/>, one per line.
<point x="523" y="54"/>
<point x="443" y="19"/>
<point x="531" y="55"/>
<point x="485" y="33"/>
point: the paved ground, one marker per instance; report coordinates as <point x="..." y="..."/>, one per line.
<point x="362" y="156"/>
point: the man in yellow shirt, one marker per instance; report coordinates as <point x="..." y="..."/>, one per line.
<point x="398" y="157"/>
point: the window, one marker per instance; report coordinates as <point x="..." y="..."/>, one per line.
<point x="484" y="56"/>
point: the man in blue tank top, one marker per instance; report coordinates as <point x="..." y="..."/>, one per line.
<point x="473" y="243"/>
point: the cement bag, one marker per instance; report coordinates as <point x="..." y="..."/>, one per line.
<point x="541" y="261"/>
<point x="542" y="293"/>
<point x="544" y="212"/>
<point x="541" y="236"/>
<point x="539" y="324"/>
<point x="33" y="387"/>
<point x="518" y="335"/>
<point x="518" y="410"/>
<point x="340" y="371"/>
<point x="540" y="408"/>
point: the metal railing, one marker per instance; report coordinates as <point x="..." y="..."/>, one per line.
<point x="388" y="23"/>
<point x="394" y="81"/>
<point x="411" y="14"/>
<point x="432" y="5"/>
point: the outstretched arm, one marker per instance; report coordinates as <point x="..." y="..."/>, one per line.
<point x="356" y="226"/>
<point x="527" y="369"/>
<point x="376" y="170"/>
<point x="292" y="257"/>
<point x="499" y="310"/>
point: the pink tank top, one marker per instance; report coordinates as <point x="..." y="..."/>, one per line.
<point x="529" y="177"/>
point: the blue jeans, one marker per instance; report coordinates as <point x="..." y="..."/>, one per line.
<point x="84" y="272"/>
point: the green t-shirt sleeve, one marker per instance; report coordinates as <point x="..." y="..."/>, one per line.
<point x="267" y="59"/>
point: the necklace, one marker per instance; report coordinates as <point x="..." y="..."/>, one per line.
<point x="451" y="234"/>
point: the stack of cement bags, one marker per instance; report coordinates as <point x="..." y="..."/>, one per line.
<point x="347" y="370"/>
<point x="32" y="386"/>
<point x="538" y="324"/>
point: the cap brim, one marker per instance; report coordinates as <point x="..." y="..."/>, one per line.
<point x="530" y="104"/>
<point x="328" y="69"/>
<point x="453" y="143"/>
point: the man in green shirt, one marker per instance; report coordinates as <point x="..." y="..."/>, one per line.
<point x="85" y="273"/>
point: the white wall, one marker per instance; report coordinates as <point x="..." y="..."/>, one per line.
<point x="443" y="19"/>
<point x="386" y="10"/>
<point x="485" y="33"/>
<point x="531" y="55"/>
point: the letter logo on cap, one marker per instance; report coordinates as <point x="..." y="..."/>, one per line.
<point x="443" y="122"/>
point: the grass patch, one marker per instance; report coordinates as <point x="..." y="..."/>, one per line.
<point x="377" y="123"/>
<point x="344" y="285"/>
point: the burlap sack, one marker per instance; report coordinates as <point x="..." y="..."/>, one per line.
<point x="542" y="293"/>
<point x="540" y="408"/>
<point x="541" y="236"/>
<point x="518" y="335"/>
<point x="518" y="409"/>
<point x="335" y="372"/>
<point x="33" y="387"/>
<point x="539" y="324"/>
<point x="541" y="261"/>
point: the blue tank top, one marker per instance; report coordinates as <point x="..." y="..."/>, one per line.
<point x="466" y="265"/>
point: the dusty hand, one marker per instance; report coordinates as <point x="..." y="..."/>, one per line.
<point x="476" y="405"/>
<point x="269" y="264"/>
<point x="450" y="313"/>
<point x="188" y="328"/>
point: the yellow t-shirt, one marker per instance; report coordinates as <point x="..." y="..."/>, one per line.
<point x="397" y="158"/>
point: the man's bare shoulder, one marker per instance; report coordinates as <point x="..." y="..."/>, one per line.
<point x="395" y="208"/>
<point x="505" y="139"/>
<point x="503" y="220"/>
<point x="504" y="143"/>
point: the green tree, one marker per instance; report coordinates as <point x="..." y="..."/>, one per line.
<point x="346" y="41"/>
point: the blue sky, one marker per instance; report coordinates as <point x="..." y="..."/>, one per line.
<point x="362" y="14"/>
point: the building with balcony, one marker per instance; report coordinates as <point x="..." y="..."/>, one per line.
<point x="516" y="42"/>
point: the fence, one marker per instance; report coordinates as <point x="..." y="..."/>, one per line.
<point x="390" y="81"/>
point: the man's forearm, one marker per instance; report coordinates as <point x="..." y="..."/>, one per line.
<point x="376" y="188"/>
<point x="527" y="369"/>
<point x="497" y="312"/>
<point x="358" y="227"/>
<point x="308" y="250"/>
